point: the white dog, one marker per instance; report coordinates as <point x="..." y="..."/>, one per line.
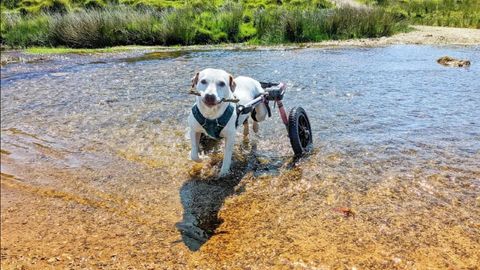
<point x="217" y="119"/>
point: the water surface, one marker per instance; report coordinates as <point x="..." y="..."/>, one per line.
<point x="95" y="170"/>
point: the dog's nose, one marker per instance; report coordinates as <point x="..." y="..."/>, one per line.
<point x="209" y="98"/>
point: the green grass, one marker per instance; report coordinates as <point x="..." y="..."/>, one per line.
<point x="454" y="13"/>
<point x="64" y="50"/>
<point x="38" y="6"/>
<point x="121" y="25"/>
<point x="22" y="30"/>
<point x="278" y="26"/>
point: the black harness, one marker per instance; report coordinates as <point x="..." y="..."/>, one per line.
<point x="213" y="127"/>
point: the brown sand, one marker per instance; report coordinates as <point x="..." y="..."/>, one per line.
<point x="425" y="35"/>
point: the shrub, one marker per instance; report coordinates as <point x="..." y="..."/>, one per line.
<point x="54" y="6"/>
<point x="247" y="31"/>
<point x="208" y="29"/>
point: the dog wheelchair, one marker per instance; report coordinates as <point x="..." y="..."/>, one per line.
<point x="296" y="123"/>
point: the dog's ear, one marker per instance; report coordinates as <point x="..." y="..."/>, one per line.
<point x="195" y="80"/>
<point x="232" y="83"/>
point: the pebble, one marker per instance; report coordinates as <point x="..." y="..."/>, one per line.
<point x="53" y="259"/>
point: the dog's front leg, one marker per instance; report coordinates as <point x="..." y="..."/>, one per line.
<point x="227" y="156"/>
<point x="195" y="139"/>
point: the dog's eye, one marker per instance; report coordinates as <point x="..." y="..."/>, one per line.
<point x="221" y="84"/>
<point x="203" y="82"/>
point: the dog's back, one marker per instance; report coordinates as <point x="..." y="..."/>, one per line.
<point x="246" y="90"/>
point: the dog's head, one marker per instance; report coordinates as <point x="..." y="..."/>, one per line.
<point x="213" y="85"/>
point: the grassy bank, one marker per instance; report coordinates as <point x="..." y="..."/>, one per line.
<point x="36" y="6"/>
<point x="454" y="13"/>
<point x="231" y="22"/>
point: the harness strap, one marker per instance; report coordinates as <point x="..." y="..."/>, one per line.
<point x="213" y="127"/>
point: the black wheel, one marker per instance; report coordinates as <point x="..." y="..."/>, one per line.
<point x="299" y="131"/>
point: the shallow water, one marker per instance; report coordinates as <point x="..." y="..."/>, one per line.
<point x="95" y="170"/>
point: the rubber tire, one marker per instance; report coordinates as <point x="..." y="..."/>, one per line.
<point x="294" y="133"/>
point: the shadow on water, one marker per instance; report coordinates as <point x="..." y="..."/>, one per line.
<point x="202" y="198"/>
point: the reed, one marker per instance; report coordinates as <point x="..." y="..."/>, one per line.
<point x="454" y="13"/>
<point x="127" y="25"/>
<point x="278" y="26"/>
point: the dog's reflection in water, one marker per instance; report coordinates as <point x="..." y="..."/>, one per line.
<point x="202" y="199"/>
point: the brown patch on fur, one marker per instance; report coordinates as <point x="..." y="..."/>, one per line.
<point x="195" y="80"/>
<point x="232" y="84"/>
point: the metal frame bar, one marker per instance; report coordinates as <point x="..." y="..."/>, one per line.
<point x="281" y="108"/>
<point x="255" y="102"/>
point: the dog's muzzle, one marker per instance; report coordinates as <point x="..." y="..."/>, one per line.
<point x="210" y="100"/>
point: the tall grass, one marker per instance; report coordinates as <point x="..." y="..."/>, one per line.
<point x="35" y="6"/>
<point x="17" y="30"/>
<point x="124" y="25"/>
<point x="455" y="13"/>
<point x="278" y="26"/>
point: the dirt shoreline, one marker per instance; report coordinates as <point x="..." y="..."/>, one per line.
<point x="420" y="35"/>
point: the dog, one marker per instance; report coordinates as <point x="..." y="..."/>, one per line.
<point x="217" y="119"/>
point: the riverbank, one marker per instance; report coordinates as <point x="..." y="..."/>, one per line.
<point x="419" y="34"/>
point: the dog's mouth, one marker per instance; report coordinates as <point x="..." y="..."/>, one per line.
<point x="210" y="102"/>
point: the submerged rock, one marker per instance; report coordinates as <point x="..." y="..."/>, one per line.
<point x="452" y="62"/>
